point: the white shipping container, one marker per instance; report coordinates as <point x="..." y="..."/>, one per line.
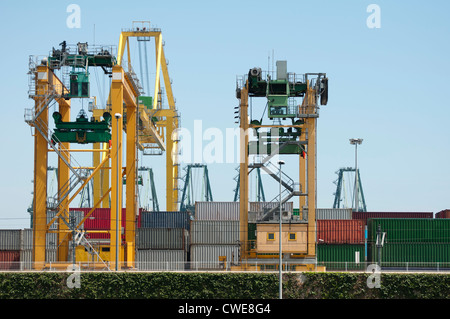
<point x="161" y="260"/>
<point x="216" y="211"/>
<point x="205" y="257"/>
<point x="222" y="232"/>
<point x="26" y="258"/>
<point x="333" y="213"/>
<point x="51" y="240"/>
<point x="10" y="239"/>
<point x="162" y="238"/>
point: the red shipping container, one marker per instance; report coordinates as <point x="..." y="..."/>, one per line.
<point x="9" y="259"/>
<point x="366" y="215"/>
<point x="340" y="231"/>
<point x="443" y="214"/>
<point x="100" y="218"/>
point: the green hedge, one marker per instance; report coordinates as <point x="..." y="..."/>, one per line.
<point x="168" y="285"/>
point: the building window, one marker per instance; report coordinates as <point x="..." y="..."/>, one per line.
<point x="270" y="236"/>
<point x="292" y="236"/>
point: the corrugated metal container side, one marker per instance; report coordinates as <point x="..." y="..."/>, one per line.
<point x="341" y="257"/>
<point x="162" y="238"/>
<point x="443" y="214"/>
<point x="26" y="257"/>
<point x="216" y="210"/>
<point x="160" y="259"/>
<point x="207" y="256"/>
<point x="218" y="232"/>
<point x="51" y="240"/>
<point x="100" y="218"/>
<point x="333" y="213"/>
<point x="435" y="255"/>
<point x="9" y="259"/>
<point x="165" y="220"/>
<point x="340" y="231"/>
<point x="78" y="213"/>
<point x="366" y="215"/>
<point x="10" y="239"/>
<point x="410" y="230"/>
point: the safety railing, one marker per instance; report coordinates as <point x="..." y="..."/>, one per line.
<point x="216" y="265"/>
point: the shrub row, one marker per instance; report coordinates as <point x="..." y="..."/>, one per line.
<point x="171" y="285"/>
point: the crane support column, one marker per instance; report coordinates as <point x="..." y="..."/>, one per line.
<point x="116" y="161"/>
<point x="40" y="172"/>
<point x="311" y="185"/>
<point x="311" y="125"/>
<point x="171" y="167"/>
<point x="63" y="179"/>
<point x="243" y="171"/>
<point x="131" y="191"/>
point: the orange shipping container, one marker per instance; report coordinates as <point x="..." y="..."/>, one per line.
<point x="9" y="259"/>
<point x="340" y="231"/>
<point x="443" y="214"/>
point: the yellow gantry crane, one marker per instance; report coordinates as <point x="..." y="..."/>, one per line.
<point x="147" y="126"/>
<point x="298" y="139"/>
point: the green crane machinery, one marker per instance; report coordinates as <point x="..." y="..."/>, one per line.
<point x="342" y="193"/>
<point x="195" y="188"/>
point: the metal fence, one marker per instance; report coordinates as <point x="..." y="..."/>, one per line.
<point x="218" y="266"/>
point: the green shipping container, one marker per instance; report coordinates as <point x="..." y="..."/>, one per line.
<point x="403" y="255"/>
<point x="341" y="257"/>
<point x="410" y="230"/>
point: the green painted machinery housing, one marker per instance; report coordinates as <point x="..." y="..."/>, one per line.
<point x="82" y="131"/>
<point x="277" y="92"/>
<point x="79" y="85"/>
<point x="284" y="140"/>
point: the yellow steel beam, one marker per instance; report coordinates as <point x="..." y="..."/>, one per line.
<point x="97" y="183"/>
<point x="40" y="176"/>
<point x="167" y="84"/>
<point x="171" y="170"/>
<point x="124" y="35"/>
<point x="150" y="130"/>
<point x="117" y="98"/>
<point x="131" y="186"/>
<point x="105" y="173"/>
<point x="63" y="178"/>
<point x="158" y="47"/>
<point x="311" y="124"/>
<point x="243" y="172"/>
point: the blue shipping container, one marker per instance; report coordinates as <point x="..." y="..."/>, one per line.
<point x="166" y="220"/>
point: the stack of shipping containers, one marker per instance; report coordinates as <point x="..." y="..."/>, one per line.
<point x="340" y="240"/>
<point x="214" y="235"/>
<point x="162" y="240"/>
<point x="367" y="216"/>
<point x="173" y="240"/>
<point x="10" y="246"/>
<point x="411" y="242"/>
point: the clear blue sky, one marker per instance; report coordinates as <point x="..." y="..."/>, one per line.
<point x="387" y="85"/>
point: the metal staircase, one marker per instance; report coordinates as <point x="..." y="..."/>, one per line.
<point x="32" y="118"/>
<point x="290" y="190"/>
